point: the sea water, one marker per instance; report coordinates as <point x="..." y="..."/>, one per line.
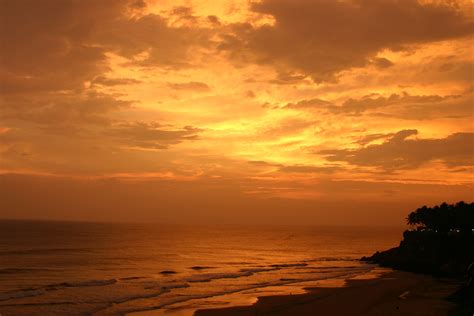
<point x="77" y="268"/>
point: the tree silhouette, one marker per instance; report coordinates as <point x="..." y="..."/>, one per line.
<point x="457" y="217"/>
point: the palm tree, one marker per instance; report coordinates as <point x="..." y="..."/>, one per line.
<point x="443" y="218"/>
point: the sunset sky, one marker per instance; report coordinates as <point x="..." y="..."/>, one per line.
<point x="271" y="111"/>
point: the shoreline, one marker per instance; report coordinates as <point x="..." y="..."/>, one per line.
<point x="247" y="297"/>
<point x="391" y="293"/>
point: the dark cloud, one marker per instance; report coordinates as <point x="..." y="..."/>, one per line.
<point x="288" y="78"/>
<point x="165" y="45"/>
<point x="411" y="107"/>
<point x="406" y="106"/>
<point x="382" y="63"/>
<point x="213" y="20"/>
<point x="250" y="94"/>
<point x="261" y="163"/>
<point x="92" y="150"/>
<point x="193" y="86"/>
<point x="58" y="45"/>
<point x="184" y="14"/>
<point x="372" y="137"/>
<point x="309" y="104"/>
<point x="371" y="102"/>
<point x="104" y="81"/>
<point x="151" y="135"/>
<point x="401" y="152"/>
<point x="47" y="45"/>
<point x="68" y="110"/>
<point x="50" y="50"/>
<point x="451" y="68"/>
<point x="324" y="37"/>
<point x="81" y="133"/>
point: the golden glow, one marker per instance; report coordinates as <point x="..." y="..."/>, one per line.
<point x="212" y="91"/>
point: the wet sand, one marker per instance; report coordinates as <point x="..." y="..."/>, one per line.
<point x="393" y="293"/>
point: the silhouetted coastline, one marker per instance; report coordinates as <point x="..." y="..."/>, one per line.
<point x="440" y="243"/>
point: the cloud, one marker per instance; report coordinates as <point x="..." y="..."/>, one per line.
<point x="165" y="46"/>
<point x="151" y="135"/>
<point x="193" y="86"/>
<point x="59" y="45"/>
<point x="286" y="127"/>
<point x="288" y="78"/>
<point x="104" y="81"/>
<point x="309" y="169"/>
<point x="416" y="107"/>
<point x="113" y="86"/>
<point x="371" y="102"/>
<point x="309" y="104"/>
<point x="401" y="152"/>
<point x="92" y="150"/>
<point x="299" y="168"/>
<point x="449" y="68"/>
<point x="250" y="94"/>
<point x="382" y="63"/>
<point x="67" y="110"/>
<point x="82" y="133"/>
<point x="48" y="46"/>
<point x="372" y="137"/>
<point x="406" y="106"/>
<point x="323" y="38"/>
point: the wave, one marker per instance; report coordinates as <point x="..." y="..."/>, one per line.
<point x="257" y="270"/>
<point x="160" y="291"/>
<point x="332" y="259"/>
<point x="25" y="270"/>
<point x="235" y="263"/>
<point x="334" y="267"/>
<point x="163" y="285"/>
<point x="279" y="282"/>
<point x="20" y="294"/>
<point x="53" y="287"/>
<point x="288" y="265"/>
<point x="84" y="283"/>
<point x="199" y="268"/>
<point x="323" y="270"/>
<point x="207" y="277"/>
<point x="77" y="284"/>
<point x="168" y="272"/>
<point x="131" y="278"/>
<point x="246" y="272"/>
<point x="43" y="251"/>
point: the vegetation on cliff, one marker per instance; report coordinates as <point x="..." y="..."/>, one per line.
<point x="440" y="241"/>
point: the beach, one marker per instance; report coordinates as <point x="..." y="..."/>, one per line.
<point x="392" y="293"/>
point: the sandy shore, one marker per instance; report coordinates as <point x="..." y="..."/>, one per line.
<point x="393" y="293"/>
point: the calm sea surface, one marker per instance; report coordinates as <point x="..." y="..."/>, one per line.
<point x="65" y="268"/>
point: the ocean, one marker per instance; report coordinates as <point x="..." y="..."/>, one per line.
<point x="78" y="268"/>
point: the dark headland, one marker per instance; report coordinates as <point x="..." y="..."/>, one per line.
<point x="440" y="243"/>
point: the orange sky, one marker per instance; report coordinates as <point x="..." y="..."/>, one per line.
<point x="271" y="111"/>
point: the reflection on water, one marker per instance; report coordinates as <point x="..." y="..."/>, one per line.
<point x="72" y="268"/>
